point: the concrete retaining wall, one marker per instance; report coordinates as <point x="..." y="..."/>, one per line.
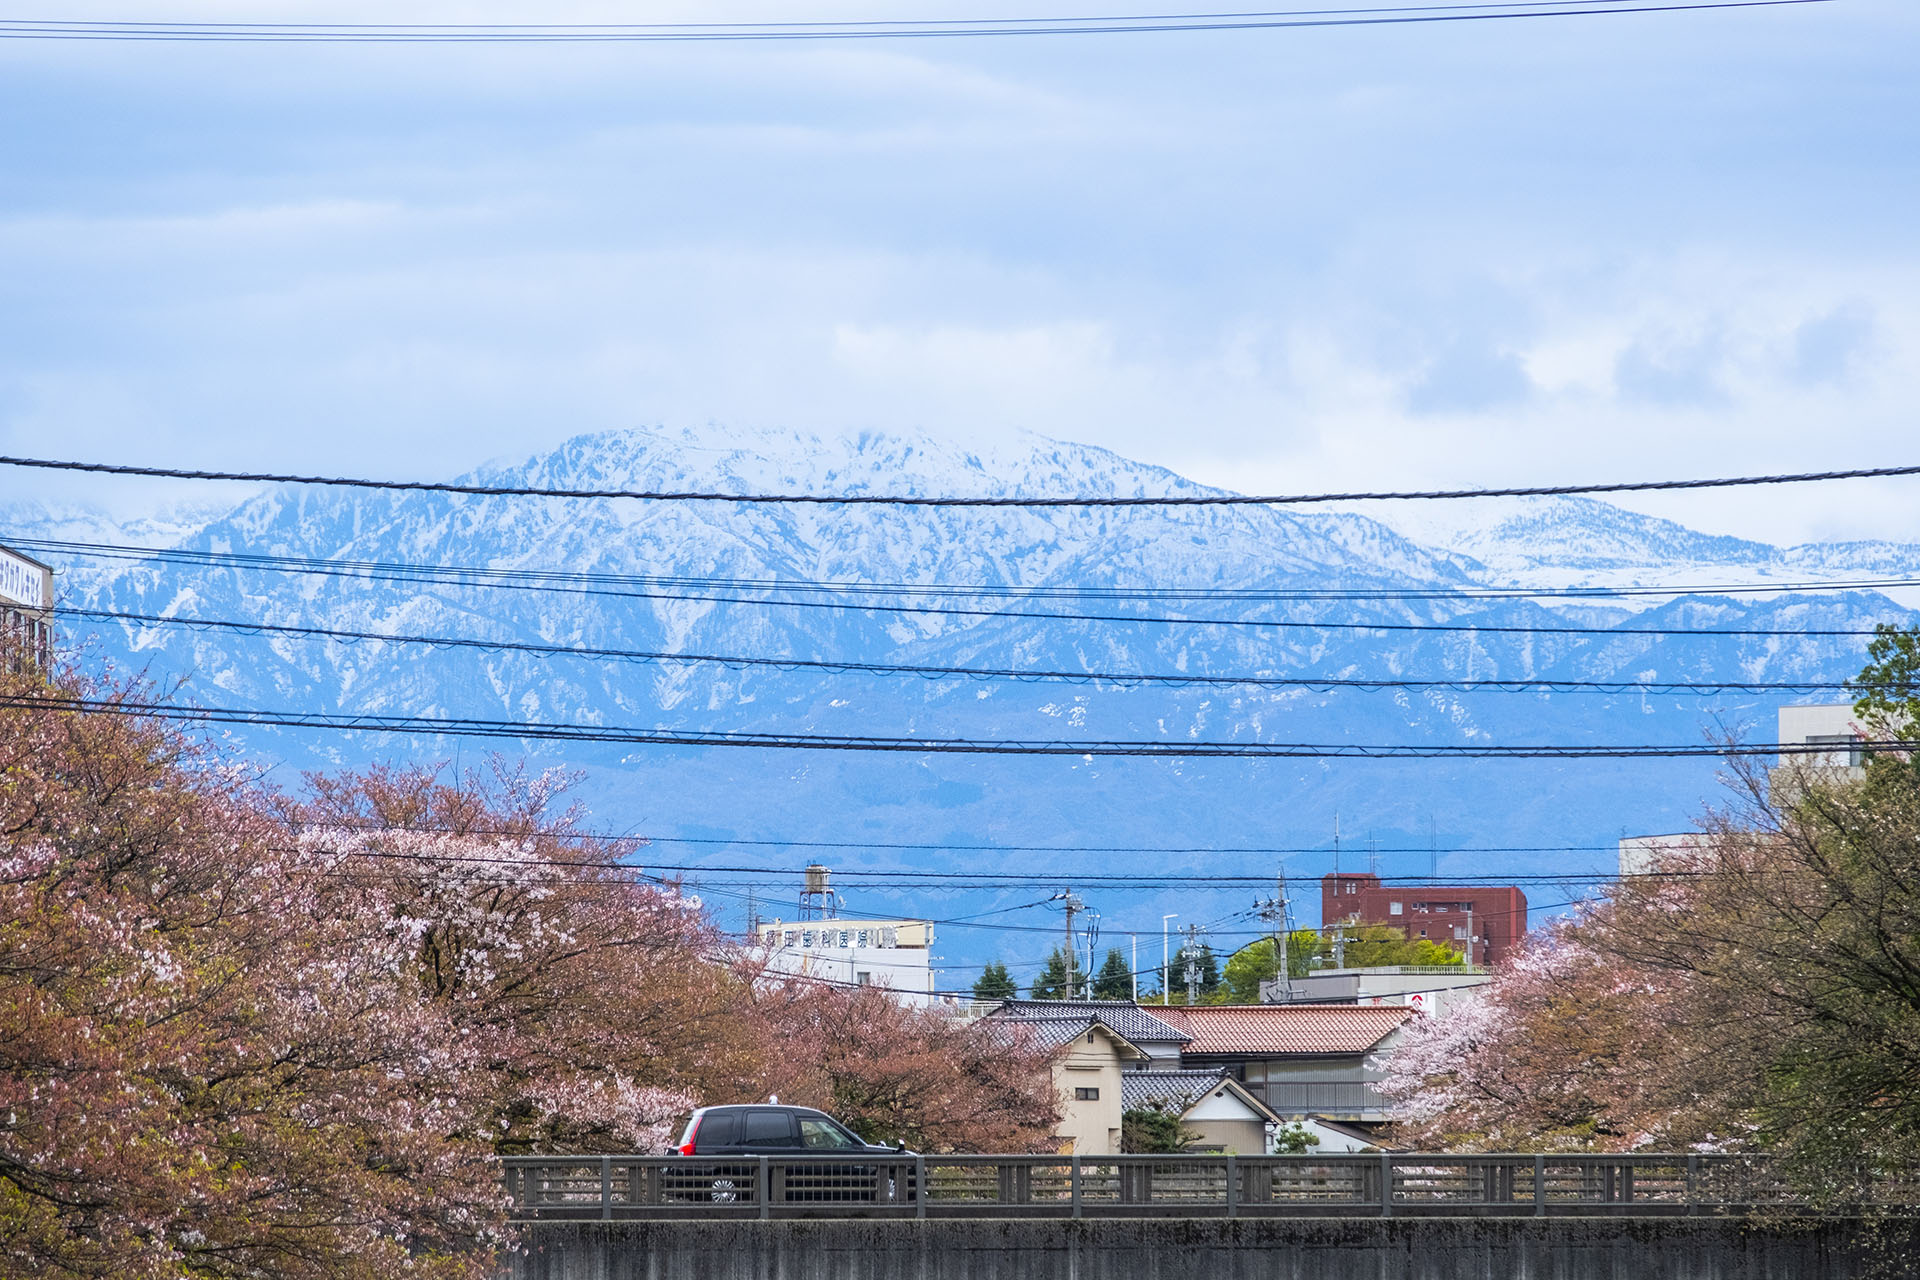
<point x="1265" y="1249"/>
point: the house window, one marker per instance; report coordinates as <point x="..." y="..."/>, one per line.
<point x="1460" y="932"/>
<point x="1085" y="1094"/>
<point x="863" y="979"/>
<point x="1395" y="908"/>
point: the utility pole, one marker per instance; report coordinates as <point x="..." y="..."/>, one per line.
<point x="1274" y="912"/>
<point x="1192" y="954"/>
<point x="1093" y="935"/>
<point x="1135" y="967"/>
<point x="1340" y="946"/>
<point x="1164" y="988"/>
<point x="1073" y="906"/>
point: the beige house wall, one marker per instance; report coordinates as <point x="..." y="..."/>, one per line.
<point x="1234" y="1137"/>
<point x="1090" y="1126"/>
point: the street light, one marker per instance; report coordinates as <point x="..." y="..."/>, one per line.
<point x="1172" y="915"/>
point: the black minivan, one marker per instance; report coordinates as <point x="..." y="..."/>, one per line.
<point x="770" y="1129"/>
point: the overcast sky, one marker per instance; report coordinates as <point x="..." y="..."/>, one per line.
<point x="1507" y="252"/>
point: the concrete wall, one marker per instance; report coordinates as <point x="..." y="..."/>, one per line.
<point x="1270" y="1249"/>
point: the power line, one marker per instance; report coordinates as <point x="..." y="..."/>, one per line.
<point x="966" y="878"/>
<point x="942" y="847"/>
<point x="911" y="500"/>
<point x="634" y="735"/>
<point x="340" y="33"/>
<point x="572" y="584"/>
<point x="817" y="586"/>
<point x="928" y="672"/>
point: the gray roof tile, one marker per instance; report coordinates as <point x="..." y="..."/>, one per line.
<point x="1124" y="1017"/>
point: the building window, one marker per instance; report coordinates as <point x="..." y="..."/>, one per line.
<point x="863" y="979"/>
<point x="1395" y="908"/>
<point x="1460" y="933"/>
<point x="1085" y="1094"/>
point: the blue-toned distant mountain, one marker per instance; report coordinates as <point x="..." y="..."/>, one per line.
<point x="654" y="565"/>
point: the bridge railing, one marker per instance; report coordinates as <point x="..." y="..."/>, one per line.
<point x="611" y="1188"/>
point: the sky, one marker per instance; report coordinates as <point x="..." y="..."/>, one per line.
<point x="1512" y="252"/>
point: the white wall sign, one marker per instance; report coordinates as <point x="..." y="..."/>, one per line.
<point x="22" y="581"/>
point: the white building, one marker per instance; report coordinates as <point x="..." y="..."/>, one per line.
<point x="1429" y="989"/>
<point x="895" y="954"/>
<point x="1643" y="855"/>
<point x="1834" y="727"/>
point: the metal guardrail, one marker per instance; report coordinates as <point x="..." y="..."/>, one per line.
<point x="616" y="1188"/>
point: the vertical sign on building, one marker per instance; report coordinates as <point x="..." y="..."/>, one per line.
<point x="26" y="611"/>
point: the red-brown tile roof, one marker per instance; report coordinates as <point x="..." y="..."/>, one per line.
<point x="1256" y="1029"/>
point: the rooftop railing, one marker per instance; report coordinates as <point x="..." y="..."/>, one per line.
<point x="615" y="1188"/>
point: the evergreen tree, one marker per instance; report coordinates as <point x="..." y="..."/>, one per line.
<point x="1052" y="982"/>
<point x="1115" y="979"/>
<point x="994" y="983"/>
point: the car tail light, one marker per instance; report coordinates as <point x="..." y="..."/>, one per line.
<point x="686" y="1148"/>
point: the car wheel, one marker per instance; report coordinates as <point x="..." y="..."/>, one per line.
<point x="724" y="1191"/>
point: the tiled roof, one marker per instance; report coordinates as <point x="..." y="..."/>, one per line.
<point x="1122" y="1016"/>
<point x="1175" y="1090"/>
<point x="1276" y="1029"/>
<point x="1052" y="1034"/>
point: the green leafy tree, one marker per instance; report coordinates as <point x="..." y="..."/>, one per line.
<point x="1889" y="685"/>
<point x="1375" y="946"/>
<point x="1153" y="1130"/>
<point x="1257" y="962"/>
<point x="1052" y="982"/>
<point x="1115" y="979"/>
<point x="994" y="983"/>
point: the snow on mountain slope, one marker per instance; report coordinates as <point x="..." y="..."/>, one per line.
<point x="1289" y="592"/>
<point x="1576" y="541"/>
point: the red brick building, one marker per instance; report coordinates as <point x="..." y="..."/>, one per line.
<point x="1488" y="921"/>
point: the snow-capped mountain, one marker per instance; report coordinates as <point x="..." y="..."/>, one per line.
<point x="1200" y="591"/>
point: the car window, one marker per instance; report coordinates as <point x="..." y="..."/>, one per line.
<point x="819" y="1134"/>
<point x="767" y="1129"/>
<point x="719" y="1129"/>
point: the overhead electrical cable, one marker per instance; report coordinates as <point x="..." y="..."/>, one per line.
<point x="346" y="722"/>
<point x="966" y="879"/>
<point x="916" y="500"/>
<point x="371" y="33"/>
<point x="458" y="574"/>
<point x="928" y="672"/>
<point x="451" y="577"/>
<point x="610" y="837"/>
